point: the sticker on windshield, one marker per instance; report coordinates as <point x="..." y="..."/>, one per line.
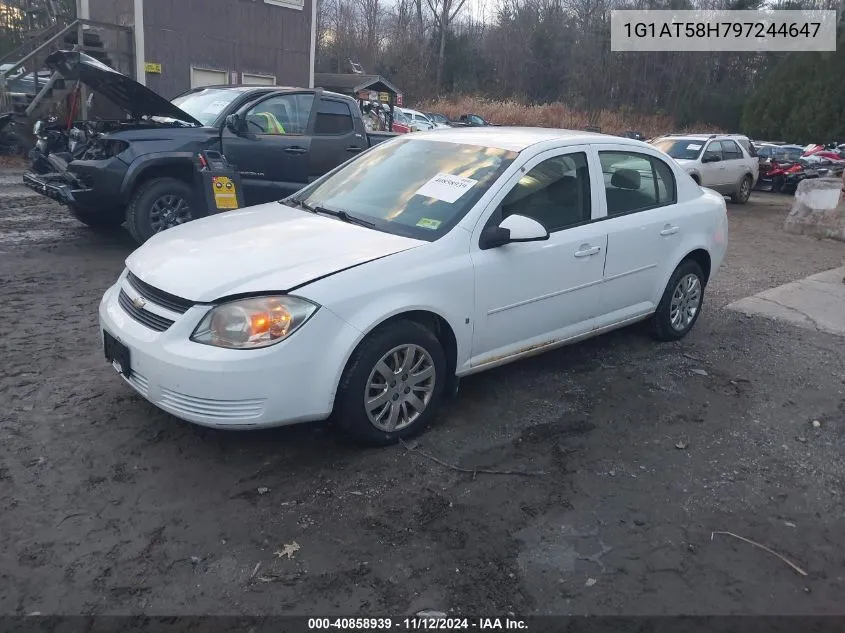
<point x="446" y="187"/>
<point x="428" y="223"/>
<point x="693" y="146"/>
<point x="215" y="107"/>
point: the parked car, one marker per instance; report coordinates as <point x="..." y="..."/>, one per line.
<point x="776" y="164"/>
<point x="369" y="293"/>
<point x="470" y="120"/>
<point x="718" y="162"/>
<point x="419" y="119"/>
<point x="140" y="170"/>
<point x="439" y="119"/>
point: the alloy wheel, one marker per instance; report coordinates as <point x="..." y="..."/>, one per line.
<point x="686" y="301"/>
<point x="399" y="388"/>
<point x="168" y="211"/>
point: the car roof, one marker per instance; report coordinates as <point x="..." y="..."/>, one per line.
<point x="517" y="139"/>
<point x="256" y="88"/>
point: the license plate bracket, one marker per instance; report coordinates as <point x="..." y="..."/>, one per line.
<point x="117" y="354"/>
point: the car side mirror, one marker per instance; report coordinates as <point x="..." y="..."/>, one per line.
<point x="237" y="125"/>
<point x="514" y="228"/>
<point x="711" y="159"/>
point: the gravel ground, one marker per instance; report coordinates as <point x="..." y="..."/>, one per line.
<point x="109" y="506"/>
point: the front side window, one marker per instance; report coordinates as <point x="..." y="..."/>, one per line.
<point x="412" y="187"/>
<point x="555" y="192"/>
<point x="713" y="151"/>
<point x="284" y="114"/>
<point x="635" y="182"/>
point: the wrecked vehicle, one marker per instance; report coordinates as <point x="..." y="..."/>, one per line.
<point x="140" y="170"/>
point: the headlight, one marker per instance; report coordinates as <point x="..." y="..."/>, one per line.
<point x="253" y="323"/>
<point x="36" y="129"/>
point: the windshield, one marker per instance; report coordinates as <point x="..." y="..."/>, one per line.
<point x="411" y="187"/>
<point x="683" y="149"/>
<point x="206" y="105"/>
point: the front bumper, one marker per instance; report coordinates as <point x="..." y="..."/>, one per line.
<point x="292" y="381"/>
<point x="59" y="187"/>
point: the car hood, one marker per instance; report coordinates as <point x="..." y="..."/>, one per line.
<point x="265" y="248"/>
<point x="124" y="92"/>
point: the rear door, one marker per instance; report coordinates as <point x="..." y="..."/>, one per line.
<point x="274" y="160"/>
<point x="336" y="136"/>
<point x="644" y="227"/>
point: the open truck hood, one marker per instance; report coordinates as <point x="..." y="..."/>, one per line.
<point x="124" y="92"/>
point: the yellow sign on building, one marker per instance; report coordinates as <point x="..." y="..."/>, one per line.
<point x="150" y="67"/>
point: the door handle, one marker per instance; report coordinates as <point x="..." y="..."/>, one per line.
<point x="587" y="250"/>
<point x="295" y="150"/>
<point x="669" y="230"/>
<point x="353" y="148"/>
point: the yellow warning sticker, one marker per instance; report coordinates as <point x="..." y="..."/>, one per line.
<point x="428" y="223"/>
<point x="225" y="195"/>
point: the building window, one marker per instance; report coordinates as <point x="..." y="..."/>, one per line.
<point x="251" y="79"/>
<point x="290" y="4"/>
<point x="201" y="77"/>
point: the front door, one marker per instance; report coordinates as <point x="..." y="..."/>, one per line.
<point x="734" y="161"/>
<point x="644" y="229"/>
<point x="274" y="160"/>
<point x="536" y="293"/>
<point x="713" y="167"/>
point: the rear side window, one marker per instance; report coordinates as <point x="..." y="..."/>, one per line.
<point x="333" y="118"/>
<point x="636" y="182"/>
<point x="731" y="150"/>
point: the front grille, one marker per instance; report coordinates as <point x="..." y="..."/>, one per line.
<point x="152" y="321"/>
<point x="159" y="297"/>
<point x="218" y="409"/>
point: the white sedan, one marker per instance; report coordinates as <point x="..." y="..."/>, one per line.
<point x="366" y="295"/>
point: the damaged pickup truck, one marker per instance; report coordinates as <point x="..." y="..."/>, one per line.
<point x="140" y="170"/>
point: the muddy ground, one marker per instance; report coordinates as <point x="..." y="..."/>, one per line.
<point x="109" y="506"/>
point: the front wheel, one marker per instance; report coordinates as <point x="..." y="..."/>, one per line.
<point x="393" y="384"/>
<point x="680" y="304"/>
<point x="158" y="205"/>
<point x="743" y="193"/>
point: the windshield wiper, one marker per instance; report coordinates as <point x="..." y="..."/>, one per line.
<point x="335" y="213"/>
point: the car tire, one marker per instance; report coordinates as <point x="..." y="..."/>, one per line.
<point x="672" y="320"/>
<point x="158" y="205"/>
<point x="97" y="219"/>
<point x="395" y="345"/>
<point x="742" y="195"/>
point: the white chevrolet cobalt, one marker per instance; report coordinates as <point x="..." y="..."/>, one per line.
<point x="365" y="296"/>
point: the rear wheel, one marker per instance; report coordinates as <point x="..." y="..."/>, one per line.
<point x="97" y="218"/>
<point x="393" y="384"/>
<point x="743" y="193"/>
<point x="158" y="205"/>
<point x="680" y="304"/>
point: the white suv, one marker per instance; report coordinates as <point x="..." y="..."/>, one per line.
<point x="719" y="162"/>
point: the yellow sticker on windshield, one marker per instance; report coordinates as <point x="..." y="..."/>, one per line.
<point x="428" y="223"/>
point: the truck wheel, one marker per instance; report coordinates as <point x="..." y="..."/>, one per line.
<point x="97" y="219"/>
<point x="158" y="205"/>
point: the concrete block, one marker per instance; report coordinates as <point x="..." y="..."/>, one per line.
<point x="818" y="209"/>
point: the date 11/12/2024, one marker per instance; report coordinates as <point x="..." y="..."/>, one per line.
<point x="417" y="623"/>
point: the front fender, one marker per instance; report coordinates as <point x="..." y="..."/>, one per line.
<point x="149" y="161"/>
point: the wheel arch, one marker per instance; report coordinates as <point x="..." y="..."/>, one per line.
<point x="177" y="165"/>
<point x="429" y="318"/>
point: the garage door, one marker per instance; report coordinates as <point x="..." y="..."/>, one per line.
<point x="258" y="80"/>
<point x="201" y="77"/>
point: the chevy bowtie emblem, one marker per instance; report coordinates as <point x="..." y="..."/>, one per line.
<point x="139" y="302"/>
